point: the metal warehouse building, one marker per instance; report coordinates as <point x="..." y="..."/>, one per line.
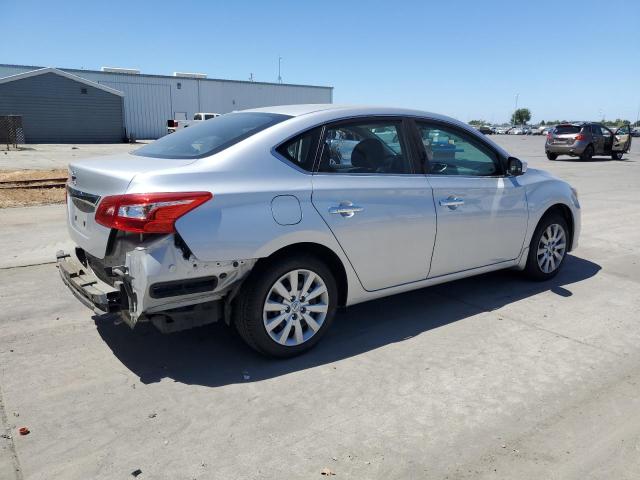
<point x="61" y="105"/>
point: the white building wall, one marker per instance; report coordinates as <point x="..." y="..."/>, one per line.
<point x="151" y="100"/>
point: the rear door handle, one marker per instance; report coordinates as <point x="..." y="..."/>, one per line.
<point x="452" y="202"/>
<point x="346" y="209"/>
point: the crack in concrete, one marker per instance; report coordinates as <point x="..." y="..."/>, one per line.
<point x="484" y="309"/>
<point x="12" y="447"/>
<point x="26" y="266"/>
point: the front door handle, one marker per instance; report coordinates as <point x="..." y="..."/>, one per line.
<point x="452" y="202"/>
<point x="346" y="209"/>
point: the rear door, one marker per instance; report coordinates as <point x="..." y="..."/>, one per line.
<point x="598" y="140"/>
<point x="622" y="139"/>
<point x="482" y="214"/>
<point x="376" y="203"/>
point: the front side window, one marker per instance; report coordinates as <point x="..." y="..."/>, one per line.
<point x="209" y="116"/>
<point x="197" y="116"/>
<point x="451" y="152"/>
<point x="369" y="147"/>
<point x="210" y="137"/>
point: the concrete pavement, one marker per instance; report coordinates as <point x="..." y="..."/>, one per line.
<point x="489" y="377"/>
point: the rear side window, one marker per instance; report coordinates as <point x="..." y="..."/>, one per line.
<point x="197" y="116"/>
<point x="210" y="137"/>
<point x="567" y="129"/>
<point x="301" y="150"/>
<point x="209" y="116"/>
<point x="367" y="147"/>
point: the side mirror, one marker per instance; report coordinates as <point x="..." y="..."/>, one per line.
<point x="516" y="167"/>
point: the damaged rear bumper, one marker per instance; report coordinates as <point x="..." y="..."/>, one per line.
<point x="153" y="280"/>
<point x="86" y="287"/>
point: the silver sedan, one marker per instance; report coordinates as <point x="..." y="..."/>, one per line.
<point x="270" y="219"/>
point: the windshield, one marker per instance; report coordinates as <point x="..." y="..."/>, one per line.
<point x="211" y="136"/>
<point x="567" y="129"/>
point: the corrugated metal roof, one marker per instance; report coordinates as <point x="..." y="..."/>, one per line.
<point x="169" y="76"/>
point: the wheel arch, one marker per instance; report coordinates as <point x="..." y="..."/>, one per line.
<point x="566" y="213"/>
<point x="323" y="253"/>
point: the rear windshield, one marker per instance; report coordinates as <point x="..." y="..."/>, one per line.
<point x="210" y="137"/>
<point x="567" y="129"/>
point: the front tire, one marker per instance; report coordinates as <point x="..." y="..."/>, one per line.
<point x="548" y="247"/>
<point x="552" y="156"/>
<point x="587" y="154"/>
<point x="285" y="307"/>
<point x="617" y="155"/>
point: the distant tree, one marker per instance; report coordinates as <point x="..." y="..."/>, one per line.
<point x="477" y="122"/>
<point x="521" y="116"/>
<point x="542" y="124"/>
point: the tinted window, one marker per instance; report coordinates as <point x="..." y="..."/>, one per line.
<point x="197" y="116"/>
<point x="567" y="129"/>
<point x="605" y="131"/>
<point x="451" y="152"/>
<point x="364" y="147"/>
<point x="208" y="116"/>
<point x="301" y="150"/>
<point x="210" y="137"/>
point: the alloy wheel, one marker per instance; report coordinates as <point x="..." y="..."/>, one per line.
<point x="296" y="307"/>
<point x="551" y="248"/>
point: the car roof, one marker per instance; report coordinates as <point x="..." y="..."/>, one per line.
<point x="349" y="110"/>
<point x="310" y="115"/>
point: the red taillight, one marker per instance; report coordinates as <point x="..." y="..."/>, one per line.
<point x="580" y="136"/>
<point x="172" y="123"/>
<point x="549" y="136"/>
<point x="147" y="212"/>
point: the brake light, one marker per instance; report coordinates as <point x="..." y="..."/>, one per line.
<point x="172" y="123"/>
<point x="549" y="136"/>
<point x="580" y="136"/>
<point x="147" y="212"/>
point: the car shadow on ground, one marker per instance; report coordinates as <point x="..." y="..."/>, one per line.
<point x="214" y="355"/>
<point x="592" y="159"/>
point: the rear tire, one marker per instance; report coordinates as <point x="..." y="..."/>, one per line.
<point x="587" y="154"/>
<point x="279" y="311"/>
<point x="548" y="248"/>
<point x="552" y="156"/>
<point x="617" y="156"/>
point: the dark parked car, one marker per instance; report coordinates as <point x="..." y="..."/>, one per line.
<point x="586" y="139"/>
<point x="485" y="130"/>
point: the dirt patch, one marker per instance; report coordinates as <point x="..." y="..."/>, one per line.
<point x="21" y="197"/>
<point x="9" y="175"/>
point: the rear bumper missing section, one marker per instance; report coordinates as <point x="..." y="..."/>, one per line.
<point x="86" y="287"/>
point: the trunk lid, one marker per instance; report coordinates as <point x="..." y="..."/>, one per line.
<point x="91" y="180"/>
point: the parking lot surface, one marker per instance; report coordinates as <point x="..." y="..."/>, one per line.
<point x="489" y="377"/>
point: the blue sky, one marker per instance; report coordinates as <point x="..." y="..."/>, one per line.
<point x="467" y="59"/>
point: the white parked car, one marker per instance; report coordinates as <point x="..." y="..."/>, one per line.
<point x="173" y="125"/>
<point x="270" y="219"/>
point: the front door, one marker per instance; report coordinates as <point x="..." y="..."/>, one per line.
<point x="482" y="214"/>
<point x="622" y="139"/>
<point x="379" y="209"/>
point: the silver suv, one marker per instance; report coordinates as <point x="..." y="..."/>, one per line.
<point x="585" y="140"/>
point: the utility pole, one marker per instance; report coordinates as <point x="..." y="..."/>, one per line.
<point x="516" y="109"/>
<point x="251" y="77"/>
<point x="279" y="76"/>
